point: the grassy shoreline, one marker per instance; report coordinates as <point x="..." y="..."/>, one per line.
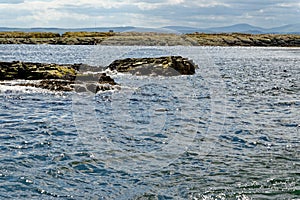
<point x="150" y="39"/>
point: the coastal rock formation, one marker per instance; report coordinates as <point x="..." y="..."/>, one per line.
<point x="85" y="78"/>
<point x="241" y="39"/>
<point x="35" y="71"/>
<point x="67" y="86"/>
<point x="151" y="39"/>
<point x="165" y="66"/>
<point x="57" y="77"/>
<point x="68" y="38"/>
<point x="50" y="84"/>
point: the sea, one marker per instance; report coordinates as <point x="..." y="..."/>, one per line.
<point x="231" y="131"/>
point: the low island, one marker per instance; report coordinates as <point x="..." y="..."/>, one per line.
<point x="150" y="39"/>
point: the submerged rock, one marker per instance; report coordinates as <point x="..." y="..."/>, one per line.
<point x="164" y="66"/>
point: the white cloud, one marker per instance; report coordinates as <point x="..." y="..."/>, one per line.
<point x="84" y="13"/>
<point x="144" y="5"/>
<point x="205" y="4"/>
<point x="289" y="5"/>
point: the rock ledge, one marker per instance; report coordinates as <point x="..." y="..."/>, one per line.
<point x="164" y="66"/>
<point x="83" y="78"/>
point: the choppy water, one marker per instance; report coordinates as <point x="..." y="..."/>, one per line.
<point x="229" y="132"/>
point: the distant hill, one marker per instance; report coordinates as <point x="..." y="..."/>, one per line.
<point x="184" y="29"/>
<point x="240" y="28"/>
<point x="236" y="28"/>
<point x="291" y="28"/>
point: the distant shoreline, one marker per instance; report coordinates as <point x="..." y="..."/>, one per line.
<point x="151" y="39"/>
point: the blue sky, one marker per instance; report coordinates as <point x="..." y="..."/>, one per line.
<point x="146" y="13"/>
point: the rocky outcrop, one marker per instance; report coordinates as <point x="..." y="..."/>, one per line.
<point x="50" y="84"/>
<point x="84" y="78"/>
<point x="35" y="71"/>
<point x="164" y="66"/>
<point x="240" y="39"/>
<point x="57" y="77"/>
<point x="67" y="86"/>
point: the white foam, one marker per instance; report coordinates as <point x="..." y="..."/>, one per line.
<point x="14" y="86"/>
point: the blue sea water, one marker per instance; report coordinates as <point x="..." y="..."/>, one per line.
<point x="231" y="131"/>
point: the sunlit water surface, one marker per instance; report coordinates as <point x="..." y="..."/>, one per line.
<point x="231" y="131"/>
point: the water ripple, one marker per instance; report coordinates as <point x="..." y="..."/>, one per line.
<point x="158" y="137"/>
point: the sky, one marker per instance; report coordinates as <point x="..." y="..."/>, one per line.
<point x="147" y="13"/>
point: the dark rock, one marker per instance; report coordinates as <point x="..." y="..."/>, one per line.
<point x="164" y="66"/>
<point x="92" y="87"/>
<point x="85" y="78"/>
<point x="101" y="78"/>
<point x="35" y="71"/>
<point x="53" y="85"/>
<point x="56" y="77"/>
<point x="80" y="89"/>
<point x="86" y="68"/>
